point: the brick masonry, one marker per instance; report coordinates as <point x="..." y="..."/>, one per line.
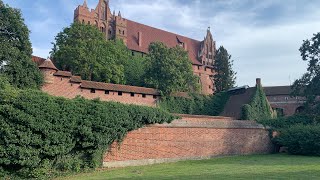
<point x="62" y="87"/>
<point x="192" y="137"/>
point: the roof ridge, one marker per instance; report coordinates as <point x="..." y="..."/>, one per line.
<point x="165" y="31"/>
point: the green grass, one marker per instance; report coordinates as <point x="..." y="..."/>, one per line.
<point x="277" y="166"/>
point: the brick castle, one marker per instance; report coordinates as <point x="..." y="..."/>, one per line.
<point x="137" y="38"/>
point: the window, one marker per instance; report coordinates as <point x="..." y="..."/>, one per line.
<point x="132" y="94"/>
<point x="144" y="96"/>
<point x="106" y="92"/>
<point x="198" y="67"/>
<point x="119" y="93"/>
<point x="82" y="21"/>
<point x="93" y="91"/>
<point x="286" y="98"/>
<point x="109" y="32"/>
<point x="205" y="69"/>
<point x="89" y="22"/>
<point x="154" y="97"/>
<point x="209" y="87"/>
<point x="119" y="31"/>
<point x="123" y="32"/>
<point x="132" y="53"/>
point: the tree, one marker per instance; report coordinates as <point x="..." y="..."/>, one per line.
<point x="83" y="50"/>
<point x="309" y="84"/>
<point x="15" y="50"/>
<point x="169" y="69"/>
<point x="225" y="77"/>
<point x="134" y="71"/>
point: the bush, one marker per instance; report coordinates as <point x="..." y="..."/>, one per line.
<point x="299" y="133"/>
<point x="259" y="107"/>
<point x="301" y="139"/>
<point x="41" y="132"/>
<point x="197" y="104"/>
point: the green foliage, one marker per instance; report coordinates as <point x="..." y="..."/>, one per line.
<point x="309" y="84"/>
<point x="134" y="71"/>
<point x="225" y="77"/>
<point x="300" y="133"/>
<point x="169" y="70"/>
<point x="41" y="133"/>
<point x="197" y="104"/>
<point x="83" y="49"/>
<point x="15" y="50"/>
<point x="259" y="107"/>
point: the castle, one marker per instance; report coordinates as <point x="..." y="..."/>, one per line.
<point x="137" y="38"/>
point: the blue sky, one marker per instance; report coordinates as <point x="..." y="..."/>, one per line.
<point x="263" y="37"/>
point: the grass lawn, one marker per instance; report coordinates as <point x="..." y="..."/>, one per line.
<point x="277" y="166"/>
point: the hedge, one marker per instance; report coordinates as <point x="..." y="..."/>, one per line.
<point x="41" y="134"/>
<point x="196" y="104"/>
<point x="299" y="133"/>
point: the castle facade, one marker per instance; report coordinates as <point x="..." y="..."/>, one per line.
<point x="137" y="38"/>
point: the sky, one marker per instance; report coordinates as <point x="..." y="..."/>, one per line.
<point x="263" y="36"/>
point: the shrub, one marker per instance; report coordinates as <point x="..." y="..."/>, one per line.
<point x="258" y="108"/>
<point x="300" y="133"/>
<point x="41" y="132"/>
<point x="301" y="139"/>
<point x="197" y="104"/>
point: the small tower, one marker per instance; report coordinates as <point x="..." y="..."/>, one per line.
<point x="48" y="69"/>
<point x="121" y="28"/>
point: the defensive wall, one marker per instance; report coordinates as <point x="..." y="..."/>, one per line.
<point x="192" y="137"/>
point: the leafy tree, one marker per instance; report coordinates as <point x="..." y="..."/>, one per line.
<point x="15" y="50"/>
<point x="134" y="71"/>
<point x="309" y="84"/>
<point x="225" y="77"/>
<point x="83" y="50"/>
<point x="169" y="69"/>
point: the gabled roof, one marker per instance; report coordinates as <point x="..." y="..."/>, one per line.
<point x="47" y="64"/>
<point x="151" y="34"/>
<point x="277" y="90"/>
<point x="233" y="107"/>
<point x="118" y="87"/>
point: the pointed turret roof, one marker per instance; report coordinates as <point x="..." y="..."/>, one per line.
<point x="85" y="4"/>
<point x="47" y="64"/>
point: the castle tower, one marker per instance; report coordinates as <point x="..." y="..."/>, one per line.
<point x="207" y="50"/>
<point x="48" y="69"/>
<point x="100" y="17"/>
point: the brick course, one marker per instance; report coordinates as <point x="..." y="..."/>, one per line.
<point x="185" y="139"/>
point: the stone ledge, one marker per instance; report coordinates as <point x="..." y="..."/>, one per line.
<point x="218" y="124"/>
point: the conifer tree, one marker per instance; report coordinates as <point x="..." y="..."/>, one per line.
<point x="225" y="77"/>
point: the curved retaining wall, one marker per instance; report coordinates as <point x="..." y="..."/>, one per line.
<point x="192" y="137"/>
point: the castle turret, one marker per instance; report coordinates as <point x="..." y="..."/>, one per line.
<point x="48" y="69"/>
<point x="121" y="28"/>
<point x="207" y="49"/>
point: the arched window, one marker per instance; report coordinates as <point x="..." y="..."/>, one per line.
<point x="82" y="21"/>
<point x="89" y="22"/>
<point x="123" y="32"/>
<point x="96" y="23"/>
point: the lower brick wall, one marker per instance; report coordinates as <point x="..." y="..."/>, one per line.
<point x="185" y="139"/>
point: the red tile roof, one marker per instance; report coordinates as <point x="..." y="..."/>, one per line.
<point x="76" y="79"/>
<point x="63" y="73"/>
<point x="118" y="87"/>
<point x="151" y="34"/>
<point x="47" y="64"/>
<point x="38" y="60"/>
<point x="277" y="90"/>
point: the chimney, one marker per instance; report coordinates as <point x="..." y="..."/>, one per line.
<point x="140" y="38"/>
<point x="258" y="82"/>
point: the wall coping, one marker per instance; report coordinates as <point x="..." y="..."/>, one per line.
<point x="215" y="124"/>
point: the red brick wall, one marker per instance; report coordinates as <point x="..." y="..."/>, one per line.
<point x="204" y="74"/>
<point x="286" y="102"/>
<point x="184" y="139"/>
<point x="61" y="86"/>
